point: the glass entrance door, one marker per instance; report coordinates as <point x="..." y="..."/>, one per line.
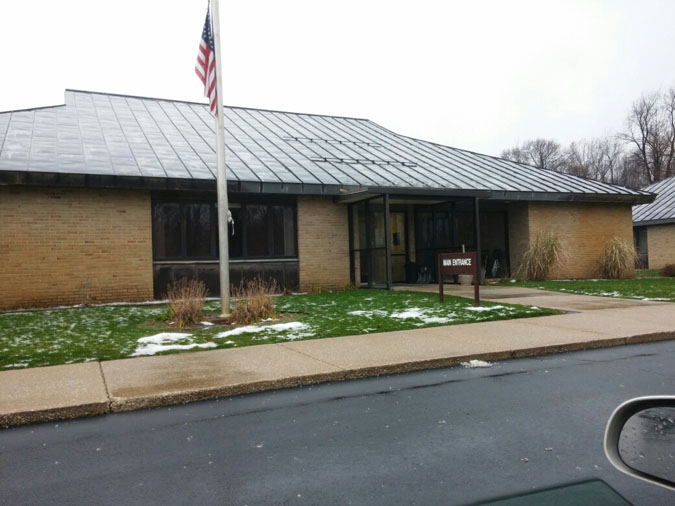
<point x="399" y="243"/>
<point x="370" y="243"/>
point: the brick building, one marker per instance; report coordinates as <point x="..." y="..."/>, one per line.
<point x="654" y="226"/>
<point x="110" y="197"/>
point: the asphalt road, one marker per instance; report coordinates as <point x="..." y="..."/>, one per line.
<point x="451" y="436"/>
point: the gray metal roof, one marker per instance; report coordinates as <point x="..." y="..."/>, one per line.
<point x="662" y="210"/>
<point x="109" y="135"/>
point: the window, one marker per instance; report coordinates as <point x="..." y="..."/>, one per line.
<point x="188" y="230"/>
<point x="257" y="231"/>
<point x="200" y="228"/>
<point x="166" y="230"/>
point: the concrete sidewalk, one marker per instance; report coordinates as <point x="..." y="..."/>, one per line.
<point x="70" y="391"/>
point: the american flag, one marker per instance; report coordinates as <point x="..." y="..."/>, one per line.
<point x="206" y="63"/>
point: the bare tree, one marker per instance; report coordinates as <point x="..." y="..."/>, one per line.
<point x="542" y="153"/>
<point x="643" y="154"/>
<point x="598" y="159"/>
<point x="650" y="131"/>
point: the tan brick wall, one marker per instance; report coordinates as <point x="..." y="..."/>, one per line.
<point x="584" y="229"/>
<point x="661" y="245"/>
<point x="70" y="246"/>
<point x="323" y="244"/>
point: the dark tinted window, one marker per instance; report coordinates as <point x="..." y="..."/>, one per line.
<point x="283" y="229"/>
<point x="166" y="230"/>
<point x="189" y="230"/>
<point x="199" y="228"/>
<point x="257" y="231"/>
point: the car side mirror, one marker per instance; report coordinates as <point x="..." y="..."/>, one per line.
<point x="640" y="439"/>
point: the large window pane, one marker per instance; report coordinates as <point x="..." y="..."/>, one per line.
<point x="257" y="230"/>
<point x="198" y="231"/>
<point x="283" y="229"/>
<point x="166" y="230"/>
<point x="376" y="210"/>
<point x="188" y="230"/>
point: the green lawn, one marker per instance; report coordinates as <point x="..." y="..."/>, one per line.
<point x="67" y="336"/>
<point x="647" y="273"/>
<point x="647" y="288"/>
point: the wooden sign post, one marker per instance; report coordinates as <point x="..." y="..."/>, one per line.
<point x="459" y="263"/>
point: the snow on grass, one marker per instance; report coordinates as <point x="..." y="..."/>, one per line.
<point x="413" y="312"/>
<point x="368" y="314"/>
<point x="165" y="341"/>
<point x="484" y="308"/>
<point x="472" y="364"/>
<point x="51" y="337"/>
<point x="436" y="319"/>
<point x="424" y="315"/>
<point x="292" y="330"/>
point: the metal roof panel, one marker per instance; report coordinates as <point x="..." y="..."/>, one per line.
<point x="109" y="135"/>
<point x="663" y="207"/>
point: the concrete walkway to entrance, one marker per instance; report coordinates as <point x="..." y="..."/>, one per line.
<point x="70" y="391"/>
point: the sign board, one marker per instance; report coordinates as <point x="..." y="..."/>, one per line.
<point x="458" y="263"/>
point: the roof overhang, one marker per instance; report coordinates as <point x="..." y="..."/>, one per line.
<point x="351" y="196"/>
<point x="621" y="198"/>
<point x="648" y="223"/>
<point x="342" y="194"/>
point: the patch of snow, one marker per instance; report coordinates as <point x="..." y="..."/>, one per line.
<point x="368" y="314"/>
<point x="484" y="308"/>
<point x="17" y="364"/>
<point x="436" y="319"/>
<point x="164" y="337"/>
<point x="208" y="324"/>
<point x="471" y="364"/>
<point x="278" y="327"/>
<point x="151" y="345"/>
<point x="240" y="330"/>
<point x="413" y="312"/>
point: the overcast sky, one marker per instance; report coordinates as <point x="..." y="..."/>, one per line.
<point x="477" y="75"/>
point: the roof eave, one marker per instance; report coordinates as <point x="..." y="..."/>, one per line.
<point x="622" y="198"/>
<point x="343" y="193"/>
<point x="648" y="223"/>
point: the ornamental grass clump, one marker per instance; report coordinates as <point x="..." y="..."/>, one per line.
<point x="186" y="301"/>
<point x="255" y="301"/>
<point x="618" y="260"/>
<point x="545" y="253"/>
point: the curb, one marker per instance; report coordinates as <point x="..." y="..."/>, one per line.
<point x="116" y="405"/>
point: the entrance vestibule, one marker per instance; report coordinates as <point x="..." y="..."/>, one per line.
<point x="397" y="239"/>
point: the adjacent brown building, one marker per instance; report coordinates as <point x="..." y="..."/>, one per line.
<point x="654" y="226"/>
<point x="110" y="197"/>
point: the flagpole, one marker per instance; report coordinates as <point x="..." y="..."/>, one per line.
<point x="221" y="180"/>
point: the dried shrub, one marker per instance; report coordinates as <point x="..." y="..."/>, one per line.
<point x="668" y="270"/>
<point x="255" y="301"/>
<point x="543" y="255"/>
<point x="618" y="260"/>
<point x="186" y="301"/>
